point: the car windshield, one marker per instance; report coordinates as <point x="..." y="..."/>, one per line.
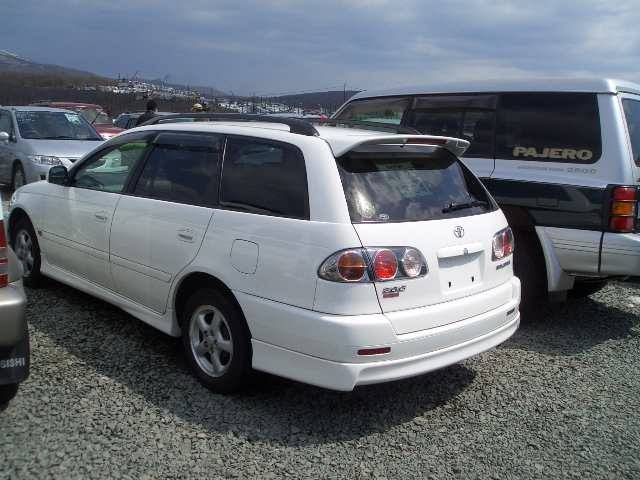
<point x="50" y="125"/>
<point x="410" y="186"/>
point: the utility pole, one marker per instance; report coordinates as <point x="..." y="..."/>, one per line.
<point x="344" y="92"/>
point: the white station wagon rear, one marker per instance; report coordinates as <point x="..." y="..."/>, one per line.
<point x="333" y="256"/>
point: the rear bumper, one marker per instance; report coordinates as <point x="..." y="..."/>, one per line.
<point x="12" y="317"/>
<point x="620" y="254"/>
<point x="322" y="349"/>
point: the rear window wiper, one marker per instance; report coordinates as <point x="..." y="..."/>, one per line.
<point x="462" y="205"/>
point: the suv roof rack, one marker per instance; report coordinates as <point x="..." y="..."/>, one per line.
<point x="371" y="125"/>
<point x="295" y="125"/>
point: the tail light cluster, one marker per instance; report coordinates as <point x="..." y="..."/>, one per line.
<point x="378" y="264"/>
<point x="503" y="244"/>
<point x="624" y="208"/>
<point x="4" y="260"/>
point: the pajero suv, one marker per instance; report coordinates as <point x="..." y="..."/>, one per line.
<point x="333" y="256"/>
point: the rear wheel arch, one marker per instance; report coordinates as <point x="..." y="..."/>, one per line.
<point x="193" y="282"/>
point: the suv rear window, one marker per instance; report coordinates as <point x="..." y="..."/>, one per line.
<point x="387" y="186"/>
<point x="549" y="127"/>
<point x="632" y="115"/>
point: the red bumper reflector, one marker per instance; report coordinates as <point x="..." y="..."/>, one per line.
<point x="374" y="351"/>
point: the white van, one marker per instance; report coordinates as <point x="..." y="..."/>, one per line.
<point x="333" y="256"/>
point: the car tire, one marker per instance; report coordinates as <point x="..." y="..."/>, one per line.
<point x="216" y="341"/>
<point x="18" y="178"/>
<point x="25" y="245"/>
<point x="529" y="267"/>
<point x="585" y="288"/>
<point x="8" y="393"/>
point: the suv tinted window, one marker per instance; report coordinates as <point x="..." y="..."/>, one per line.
<point x="555" y="127"/>
<point x="380" y="110"/>
<point x="109" y="170"/>
<point x="264" y="177"/>
<point x="455" y="119"/>
<point x="182" y="168"/>
<point x="632" y="115"/>
<point x="410" y="186"/>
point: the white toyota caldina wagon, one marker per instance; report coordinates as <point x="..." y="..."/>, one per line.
<point x="333" y="256"/>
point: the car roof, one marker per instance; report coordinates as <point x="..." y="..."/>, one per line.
<point x="74" y="104"/>
<point x="588" y="85"/>
<point x="339" y="139"/>
<point x="29" y="108"/>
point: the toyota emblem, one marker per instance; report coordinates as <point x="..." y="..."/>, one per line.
<point x="458" y="231"/>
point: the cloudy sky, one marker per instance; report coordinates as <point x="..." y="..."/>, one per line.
<point x="278" y="46"/>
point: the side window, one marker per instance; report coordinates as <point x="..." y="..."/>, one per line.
<point x="555" y="127"/>
<point x="264" y="177"/>
<point x="471" y="117"/>
<point x="109" y="170"/>
<point x="632" y="115"/>
<point x="6" y="125"/>
<point x="182" y="168"/>
<point x="378" y="110"/>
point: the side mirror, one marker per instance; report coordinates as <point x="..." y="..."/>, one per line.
<point x="4" y="137"/>
<point x="59" y="175"/>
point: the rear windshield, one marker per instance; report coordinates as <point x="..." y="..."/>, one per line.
<point x="410" y="186"/>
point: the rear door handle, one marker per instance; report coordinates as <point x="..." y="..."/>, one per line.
<point x="101" y="216"/>
<point x="186" y="235"/>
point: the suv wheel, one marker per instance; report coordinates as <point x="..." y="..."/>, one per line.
<point x="25" y="244"/>
<point x="7" y="393"/>
<point x="216" y="341"/>
<point x="18" y="178"/>
<point x="529" y="266"/>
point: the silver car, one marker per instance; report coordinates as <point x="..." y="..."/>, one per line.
<point x="33" y="139"/>
<point x="14" y="336"/>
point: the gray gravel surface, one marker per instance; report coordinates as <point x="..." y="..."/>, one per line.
<point x="109" y="397"/>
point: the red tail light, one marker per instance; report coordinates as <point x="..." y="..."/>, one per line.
<point x="4" y="261"/>
<point x="427" y="141"/>
<point x="624" y="205"/>
<point x="503" y="244"/>
<point x="385" y="265"/>
<point x="373" y="264"/>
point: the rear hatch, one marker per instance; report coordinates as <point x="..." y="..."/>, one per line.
<point x="424" y="197"/>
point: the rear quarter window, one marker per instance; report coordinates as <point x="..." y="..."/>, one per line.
<point x="388" y="110"/>
<point x="549" y="127"/>
<point x="632" y="117"/>
<point x="382" y="186"/>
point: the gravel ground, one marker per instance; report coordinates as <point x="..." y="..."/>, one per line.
<point x="109" y="397"/>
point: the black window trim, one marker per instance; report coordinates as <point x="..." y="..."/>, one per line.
<point x="222" y="205"/>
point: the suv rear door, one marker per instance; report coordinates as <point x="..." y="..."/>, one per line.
<point x="402" y="197"/>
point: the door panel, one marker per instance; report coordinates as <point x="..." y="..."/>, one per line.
<point x="151" y="241"/>
<point x="75" y="231"/>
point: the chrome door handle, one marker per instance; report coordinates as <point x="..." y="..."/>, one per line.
<point x="100" y="216"/>
<point x="186" y="235"/>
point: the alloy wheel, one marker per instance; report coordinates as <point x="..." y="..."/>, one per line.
<point x="211" y="340"/>
<point x="24" y="251"/>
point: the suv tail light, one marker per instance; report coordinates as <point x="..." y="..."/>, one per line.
<point x="378" y="264"/>
<point x="503" y="244"/>
<point x="4" y="260"/>
<point x="624" y="205"/>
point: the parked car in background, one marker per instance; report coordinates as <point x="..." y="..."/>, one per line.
<point x="93" y="113"/>
<point x="14" y="335"/>
<point x="561" y="157"/>
<point x="333" y="256"/>
<point x="128" y="120"/>
<point x="32" y="139"/>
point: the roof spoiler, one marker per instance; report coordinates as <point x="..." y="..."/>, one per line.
<point x="457" y="146"/>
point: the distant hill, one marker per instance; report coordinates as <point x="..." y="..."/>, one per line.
<point x="12" y="63"/>
<point x="330" y="100"/>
